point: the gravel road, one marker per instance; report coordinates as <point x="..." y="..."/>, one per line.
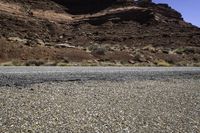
<point x="99" y="100"/>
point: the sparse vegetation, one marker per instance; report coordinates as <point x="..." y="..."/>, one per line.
<point x="9" y="63"/>
<point x="62" y="64"/>
<point x="108" y="34"/>
<point x="179" y="50"/>
<point x="163" y="63"/>
<point x="34" y="62"/>
<point x="99" y="51"/>
<point x="93" y="47"/>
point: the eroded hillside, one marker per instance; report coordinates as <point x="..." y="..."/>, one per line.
<point x="114" y="32"/>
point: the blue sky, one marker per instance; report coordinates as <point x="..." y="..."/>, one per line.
<point x="190" y="9"/>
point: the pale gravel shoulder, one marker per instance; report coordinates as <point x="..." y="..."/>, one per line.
<point x="148" y="106"/>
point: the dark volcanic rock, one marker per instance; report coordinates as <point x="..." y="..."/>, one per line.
<point x="85" y="6"/>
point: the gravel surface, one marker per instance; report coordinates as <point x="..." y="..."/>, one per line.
<point x="22" y="76"/>
<point x="159" y="100"/>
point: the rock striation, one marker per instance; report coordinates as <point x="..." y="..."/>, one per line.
<point x="121" y="29"/>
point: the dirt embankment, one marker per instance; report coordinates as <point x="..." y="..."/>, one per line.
<point x="116" y="32"/>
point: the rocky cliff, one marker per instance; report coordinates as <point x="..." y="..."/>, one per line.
<point x="96" y="32"/>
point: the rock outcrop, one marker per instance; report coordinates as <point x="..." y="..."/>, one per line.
<point x="122" y="28"/>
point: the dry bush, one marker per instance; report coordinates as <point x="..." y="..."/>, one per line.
<point x="34" y="62"/>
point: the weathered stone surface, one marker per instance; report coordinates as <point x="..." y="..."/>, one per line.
<point x="153" y="30"/>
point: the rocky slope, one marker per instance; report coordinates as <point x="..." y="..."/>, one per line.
<point x="114" y="32"/>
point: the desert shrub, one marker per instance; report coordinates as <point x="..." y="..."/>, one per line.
<point x="185" y="50"/>
<point x="51" y="63"/>
<point x="99" y="51"/>
<point x="62" y="64"/>
<point x="17" y="63"/>
<point x="162" y="63"/>
<point x="180" y="50"/>
<point x="190" y="50"/>
<point x="34" y="62"/>
<point x="92" y="48"/>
